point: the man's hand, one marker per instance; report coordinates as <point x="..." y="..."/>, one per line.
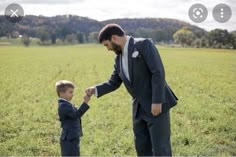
<point x="90" y="91"/>
<point x="86" y="99"/>
<point x="156" y="109"/>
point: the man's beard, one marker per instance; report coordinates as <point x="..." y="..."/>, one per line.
<point x="116" y="48"/>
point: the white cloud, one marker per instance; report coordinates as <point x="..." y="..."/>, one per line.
<point x="107" y="9"/>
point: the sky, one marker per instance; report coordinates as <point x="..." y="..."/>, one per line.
<point x="110" y="9"/>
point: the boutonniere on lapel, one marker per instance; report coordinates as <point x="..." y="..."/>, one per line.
<point x="135" y="54"/>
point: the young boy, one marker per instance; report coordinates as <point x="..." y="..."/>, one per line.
<point x="70" y="118"/>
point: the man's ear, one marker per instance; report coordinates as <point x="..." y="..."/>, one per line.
<point x="113" y="38"/>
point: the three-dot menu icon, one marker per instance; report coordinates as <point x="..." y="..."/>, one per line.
<point x="222" y="13"/>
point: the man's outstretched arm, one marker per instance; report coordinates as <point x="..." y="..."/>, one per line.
<point x="101" y="89"/>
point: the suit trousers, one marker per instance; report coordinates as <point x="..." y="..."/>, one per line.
<point x="70" y="147"/>
<point x="152" y="133"/>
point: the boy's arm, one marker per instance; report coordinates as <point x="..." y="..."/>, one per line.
<point x="73" y="113"/>
<point x="83" y="108"/>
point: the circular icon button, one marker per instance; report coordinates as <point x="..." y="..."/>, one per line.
<point x="14" y="13"/>
<point x="198" y="13"/>
<point x="222" y="13"/>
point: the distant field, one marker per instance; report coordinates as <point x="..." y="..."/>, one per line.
<point x="203" y="123"/>
<point x="17" y="41"/>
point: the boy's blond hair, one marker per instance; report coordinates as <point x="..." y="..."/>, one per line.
<point x="63" y="85"/>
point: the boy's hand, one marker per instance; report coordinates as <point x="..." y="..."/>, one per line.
<point x="90" y="91"/>
<point x="86" y="99"/>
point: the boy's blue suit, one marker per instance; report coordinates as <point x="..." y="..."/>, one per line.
<point x="147" y="85"/>
<point x="70" y="118"/>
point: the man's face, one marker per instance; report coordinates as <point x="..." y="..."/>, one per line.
<point x="112" y="46"/>
<point x="68" y="94"/>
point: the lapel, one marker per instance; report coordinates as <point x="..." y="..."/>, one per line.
<point x="61" y="100"/>
<point x="122" y="75"/>
<point x="130" y="63"/>
<point x="130" y="60"/>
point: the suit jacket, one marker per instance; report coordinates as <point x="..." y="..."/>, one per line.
<point x="147" y="83"/>
<point x="70" y="118"/>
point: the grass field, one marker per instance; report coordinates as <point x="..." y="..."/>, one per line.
<point x="17" y="41"/>
<point x="203" y="123"/>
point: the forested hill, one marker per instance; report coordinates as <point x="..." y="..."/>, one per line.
<point x="160" y="29"/>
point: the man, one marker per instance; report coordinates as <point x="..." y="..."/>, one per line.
<point x="138" y="65"/>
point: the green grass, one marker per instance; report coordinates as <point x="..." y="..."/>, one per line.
<point x="203" y="123"/>
<point x="17" y="41"/>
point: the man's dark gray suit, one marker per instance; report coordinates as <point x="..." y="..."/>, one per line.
<point x="146" y="85"/>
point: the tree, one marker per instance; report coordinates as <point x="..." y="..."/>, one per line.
<point x="71" y="38"/>
<point x="86" y="34"/>
<point x="80" y="37"/>
<point x="184" y="37"/>
<point x="144" y="32"/>
<point x="204" y="41"/>
<point x="53" y="38"/>
<point x="218" y="38"/>
<point x="26" y="40"/>
<point x="197" y="43"/>
<point x="233" y="40"/>
<point x="44" y="37"/>
<point x="160" y="35"/>
<point x="64" y="32"/>
<point x="15" y="34"/>
<point x="93" y="37"/>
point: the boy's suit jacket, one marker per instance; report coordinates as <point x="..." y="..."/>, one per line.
<point x="147" y="83"/>
<point x="70" y="118"/>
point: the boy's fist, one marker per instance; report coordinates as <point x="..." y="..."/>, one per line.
<point x="90" y="91"/>
<point x="86" y="99"/>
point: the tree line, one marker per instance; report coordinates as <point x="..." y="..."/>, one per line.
<point x="184" y="37"/>
<point x="70" y="29"/>
<point x="217" y="38"/>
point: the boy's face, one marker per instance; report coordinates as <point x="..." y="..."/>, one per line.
<point x="68" y="94"/>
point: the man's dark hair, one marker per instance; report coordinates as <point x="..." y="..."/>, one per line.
<point x="109" y="30"/>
